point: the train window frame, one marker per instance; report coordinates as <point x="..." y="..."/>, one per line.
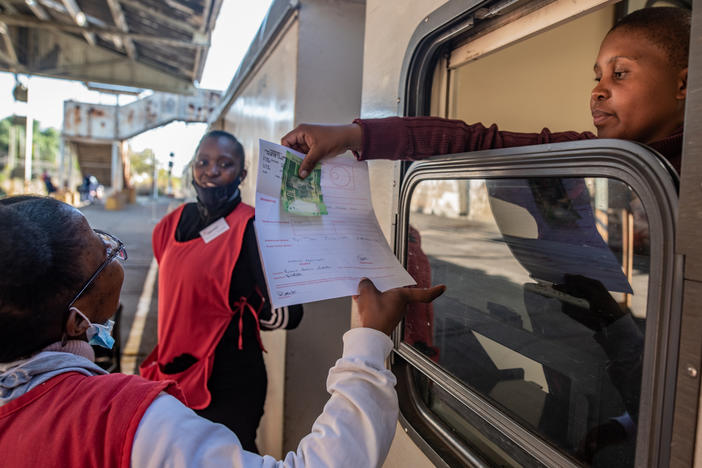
<point x="633" y="164"/>
<point x="651" y="179"/>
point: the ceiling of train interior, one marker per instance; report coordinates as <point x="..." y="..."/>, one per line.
<point x="151" y="44"/>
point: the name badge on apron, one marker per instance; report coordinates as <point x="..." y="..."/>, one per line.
<point x="214" y="230"/>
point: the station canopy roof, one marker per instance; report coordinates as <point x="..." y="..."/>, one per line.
<point x="151" y="44"/>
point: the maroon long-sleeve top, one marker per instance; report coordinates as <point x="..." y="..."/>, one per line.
<point x="417" y="138"/>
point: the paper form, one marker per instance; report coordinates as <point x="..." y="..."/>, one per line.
<point x="311" y="258"/>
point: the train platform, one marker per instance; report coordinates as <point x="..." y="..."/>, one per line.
<point x="133" y="225"/>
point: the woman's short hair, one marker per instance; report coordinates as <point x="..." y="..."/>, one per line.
<point x="39" y="273"/>
<point x="238" y="147"/>
<point x="667" y="27"/>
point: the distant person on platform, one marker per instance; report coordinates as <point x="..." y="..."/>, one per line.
<point x="46" y="178"/>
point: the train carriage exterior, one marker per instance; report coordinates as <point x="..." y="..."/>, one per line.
<point x="494" y="374"/>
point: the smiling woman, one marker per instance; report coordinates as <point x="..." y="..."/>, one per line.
<point x="219" y="160"/>
<point x="211" y="286"/>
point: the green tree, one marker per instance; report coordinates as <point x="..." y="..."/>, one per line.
<point x="5" y="135"/>
<point x="163" y="180"/>
<point x="46" y="142"/>
<point x="142" y="162"/>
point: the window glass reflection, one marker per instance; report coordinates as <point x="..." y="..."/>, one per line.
<point x="545" y="305"/>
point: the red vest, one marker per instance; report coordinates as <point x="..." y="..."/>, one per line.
<point x="73" y="420"/>
<point x="193" y="307"/>
<point x="419" y="318"/>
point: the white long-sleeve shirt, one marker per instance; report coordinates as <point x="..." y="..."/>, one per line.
<point x="355" y="429"/>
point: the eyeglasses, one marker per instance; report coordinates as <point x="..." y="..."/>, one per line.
<point x="115" y="249"/>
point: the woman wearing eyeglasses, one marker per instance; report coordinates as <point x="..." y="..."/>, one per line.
<point x="40" y="264"/>
<point x="212" y="296"/>
<point x="59" y="284"/>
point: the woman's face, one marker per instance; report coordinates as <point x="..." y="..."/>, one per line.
<point x="639" y="95"/>
<point x="101" y="300"/>
<point x="217" y="163"/>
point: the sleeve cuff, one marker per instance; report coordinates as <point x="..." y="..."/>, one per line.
<point x="364" y="143"/>
<point x="366" y="343"/>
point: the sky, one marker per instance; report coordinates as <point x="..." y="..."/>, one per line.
<point x="236" y="26"/>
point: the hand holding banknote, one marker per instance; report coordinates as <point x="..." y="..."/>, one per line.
<point x="322" y="141"/>
<point x="301" y="196"/>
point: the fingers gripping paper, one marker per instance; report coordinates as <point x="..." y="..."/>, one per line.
<point x="301" y="196"/>
<point x="322" y="247"/>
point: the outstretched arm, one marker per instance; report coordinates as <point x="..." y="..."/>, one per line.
<point x="356" y="427"/>
<point x="409" y="138"/>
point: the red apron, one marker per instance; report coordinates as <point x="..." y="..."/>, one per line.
<point x="419" y="320"/>
<point x="193" y="308"/>
<point x="74" y="420"/>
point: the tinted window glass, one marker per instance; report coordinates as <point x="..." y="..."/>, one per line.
<point x="545" y="308"/>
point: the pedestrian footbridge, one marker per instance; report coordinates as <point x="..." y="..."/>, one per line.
<point x="96" y="134"/>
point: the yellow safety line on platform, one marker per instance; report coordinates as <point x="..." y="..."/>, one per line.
<point x="135" y="333"/>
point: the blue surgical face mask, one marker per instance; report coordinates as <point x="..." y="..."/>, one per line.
<point x="100" y="335"/>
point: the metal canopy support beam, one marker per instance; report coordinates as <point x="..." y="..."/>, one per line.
<point x="74" y="59"/>
<point x="184" y="9"/>
<point x="80" y="19"/>
<point x="38" y="10"/>
<point x="11" y="54"/>
<point x="58" y="6"/>
<point x="62" y="163"/>
<point x="6" y="58"/>
<point x="8" y="7"/>
<point x="159" y="46"/>
<point x="202" y="30"/>
<point x="116" y="167"/>
<point x="121" y="23"/>
<point x="183" y="26"/>
<point x="28" y="22"/>
<point x="28" y="145"/>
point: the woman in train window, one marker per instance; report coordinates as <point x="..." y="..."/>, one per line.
<point x="639" y="94"/>
<point x="212" y="300"/>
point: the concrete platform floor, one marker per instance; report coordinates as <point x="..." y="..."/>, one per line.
<point x="133" y="225"/>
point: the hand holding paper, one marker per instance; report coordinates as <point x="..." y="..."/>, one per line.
<point x="301" y="196"/>
<point x="311" y="258"/>
<point x="322" y="141"/>
<point x="383" y="311"/>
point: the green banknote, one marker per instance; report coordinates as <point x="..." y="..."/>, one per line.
<point x="301" y="197"/>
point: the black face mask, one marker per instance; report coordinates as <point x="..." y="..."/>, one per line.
<point x="215" y="199"/>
